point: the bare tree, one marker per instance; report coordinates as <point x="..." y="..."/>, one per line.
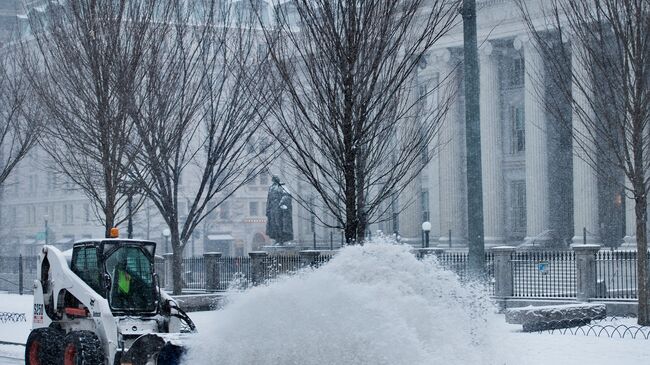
<point x="196" y="115"/>
<point x="347" y="117"/>
<point x="83" y="57"/>
<point x="604" y="78"/>
<point x="19" y="120"/>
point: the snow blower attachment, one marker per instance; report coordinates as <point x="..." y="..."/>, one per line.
<point x="101" y="305"/>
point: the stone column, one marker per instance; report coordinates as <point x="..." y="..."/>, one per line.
<point x="503" y="281"/>
<point x="629" y="241"/>
<point x="212" y="267"/>
<point x="585" y="179"/>
<point x="491" y="147"/>
<point x="453" y="202"/>
<point x="537" y="178"/>
<point x="258" y="266"/>
<point x="585" y="271"/>
<point x="308" y="258"/>
<point x="169" y="271"/>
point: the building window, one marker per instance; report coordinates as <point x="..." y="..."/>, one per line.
<point x="224" y="212"/>
<point x="517" y="130"/>
<point x="68" y="214"/>
<point x="516" y="73"/>
<point x="518" y="208"/>
<point x="264" y="178"/>
<point x="253" y="209"/>
<point x="86" y="212"/>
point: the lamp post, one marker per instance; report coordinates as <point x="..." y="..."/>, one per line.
<point x="426" y="228"/>
<point x="166" y="233"/>
<point x="45" y="217"/>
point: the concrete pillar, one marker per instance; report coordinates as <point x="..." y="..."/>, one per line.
<point x="503" y="281"/>
<point x="453" y="201"/>
<point x="308" y="258"/>
<point x="258" y="266"/>
<point x="585" y="179"/>
<point x="585" y="270"/>
<point x="537" y="176"/>
<point x="212" y="267"/>
<point x="491" y="144"/>
<point x="169" y="271"/>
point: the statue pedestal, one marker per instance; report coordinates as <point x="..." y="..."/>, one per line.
<point x="288" y="248"/>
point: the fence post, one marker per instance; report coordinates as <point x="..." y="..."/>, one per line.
<point x="503" y="280"/>
<point x="212" y="266"/>
<point x="308" y="258"/>
<point x="257" y="266"/>
<point x="585" y="271"/>
<point x="169" y="271"/>
<point x="20" y="274"/>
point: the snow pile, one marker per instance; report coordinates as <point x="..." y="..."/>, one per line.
<point x="375" y="304"/>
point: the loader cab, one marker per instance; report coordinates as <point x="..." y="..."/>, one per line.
<point x="120" y="270"/>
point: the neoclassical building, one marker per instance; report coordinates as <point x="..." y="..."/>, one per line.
<point x="536" y="187"/>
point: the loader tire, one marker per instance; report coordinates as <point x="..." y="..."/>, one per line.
<point x="82" y="348"/>
<point x="44" y="347"/>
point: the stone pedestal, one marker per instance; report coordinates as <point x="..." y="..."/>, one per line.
<point x="212" y="267"/>
<point x="503" y="281"/>
<point x="585" y="271"/>
<point x="258" y="266"/>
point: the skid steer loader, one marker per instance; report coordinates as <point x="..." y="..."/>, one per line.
<point x="100" y="304"/>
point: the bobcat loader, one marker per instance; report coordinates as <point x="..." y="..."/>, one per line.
<point x="100" y="304"/>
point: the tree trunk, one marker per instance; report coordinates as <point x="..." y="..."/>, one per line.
<point x="641" y="207"/>
<point x="177" y="263"/>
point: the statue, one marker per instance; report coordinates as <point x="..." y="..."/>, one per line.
<point x="279" y="224"/>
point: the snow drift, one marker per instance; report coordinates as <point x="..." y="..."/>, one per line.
<point x="375" y="304"/>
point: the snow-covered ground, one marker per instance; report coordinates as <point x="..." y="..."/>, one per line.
<point x="375" y="304"/>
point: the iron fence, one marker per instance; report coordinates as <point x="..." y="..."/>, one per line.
<point x="17" y="273"/>
<point x="544" y="274"/>
<point x="457" y="262"/>
<point x="194" y="273"/>
<point x="235" y="271"/>
<point x="616" y="274"/>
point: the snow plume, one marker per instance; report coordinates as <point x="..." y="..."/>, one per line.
<point x="372" y="304"/>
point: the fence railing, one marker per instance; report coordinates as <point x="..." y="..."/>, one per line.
<point x="532" y="274"/>
<point x="17" y="273"/>
<point x="616" y="274"/>
<point x="457" y="262"/>
<point x="549" y="274"/>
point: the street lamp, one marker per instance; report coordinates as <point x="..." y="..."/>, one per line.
<point x="166" y="233"/>
<point x="45" y="217"/>
<point x="426" y="228"/>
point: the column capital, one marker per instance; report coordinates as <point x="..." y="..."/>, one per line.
<point x="521" y="42"/>
<point x="486" y="49"/>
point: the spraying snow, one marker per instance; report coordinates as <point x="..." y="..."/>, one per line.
<point x="372" y="304"/>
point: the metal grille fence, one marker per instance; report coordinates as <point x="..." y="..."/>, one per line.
<point x="457" y="262"/>
<point x="549" y="274"/>
<point x="10" y="273"/>
<point x="616" y="274"/>
<point x="194" y="273"/>
<point x="235" y="271"/>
